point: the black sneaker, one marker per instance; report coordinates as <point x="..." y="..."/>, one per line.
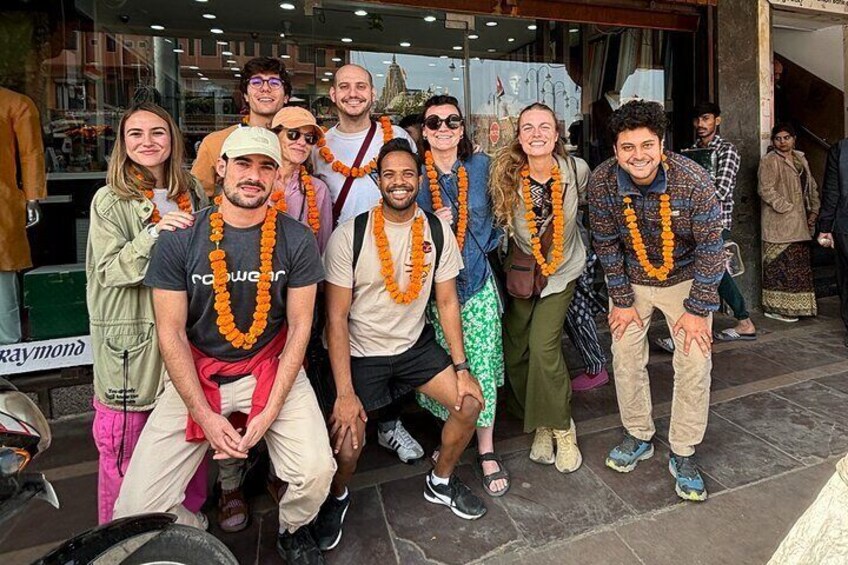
<point x="299" y="548"/>
<point x="456" y="496"/>
<point x="328" y="525"/>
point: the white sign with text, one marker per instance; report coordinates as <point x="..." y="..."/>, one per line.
<point x="42" y="355"/>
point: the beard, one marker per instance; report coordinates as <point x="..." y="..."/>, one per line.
<point x="402" y="206"/>
<point x="364" y="108"/>
<point x="247" y="202"/>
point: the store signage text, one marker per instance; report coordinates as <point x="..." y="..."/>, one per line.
<point x="47" y="354"/>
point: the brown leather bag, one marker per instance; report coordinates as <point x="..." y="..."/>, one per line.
<point x="524" y="278"/>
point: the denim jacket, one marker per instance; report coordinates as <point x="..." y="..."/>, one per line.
<point x="482" y="235"/>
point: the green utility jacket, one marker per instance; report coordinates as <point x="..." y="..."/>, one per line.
<point x="127" y="364"/>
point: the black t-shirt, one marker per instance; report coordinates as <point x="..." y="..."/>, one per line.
<point x="180" y="261"/>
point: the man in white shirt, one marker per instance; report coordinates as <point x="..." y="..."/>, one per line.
<point x="344" y="160"/>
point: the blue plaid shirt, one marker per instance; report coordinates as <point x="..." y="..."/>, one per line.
<point x="727" y="165"/>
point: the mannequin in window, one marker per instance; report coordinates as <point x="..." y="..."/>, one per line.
<point x="22" y="184"/>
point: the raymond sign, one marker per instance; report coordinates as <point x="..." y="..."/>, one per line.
<point x="827" y="6"/>
<point x="47" y="354"/>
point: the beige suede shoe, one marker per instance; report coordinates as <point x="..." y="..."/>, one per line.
<point x="543" y="447"/>
<point x="568" y="456"/>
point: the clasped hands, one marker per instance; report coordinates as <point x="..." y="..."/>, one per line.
<point x="227" y="441"/>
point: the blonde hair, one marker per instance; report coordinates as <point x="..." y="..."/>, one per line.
<point x="121" y="175"/>
<point x="505" y="173"/>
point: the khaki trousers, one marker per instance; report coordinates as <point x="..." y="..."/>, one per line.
<point x="164" y="462"/>
<point x="691" y="397"/>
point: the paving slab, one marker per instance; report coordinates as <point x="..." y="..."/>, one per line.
<point x="733" y="457"/>
<point x="819" y="398"/>
<point x="793" y="355"/>
<point x="604" y="548"/>
<point x="803" y="434"/>
<point x="435" y="531"/>
<point x="739" y="527"/>
<point x="738" y="366"/>
<point x="836" y="382"/>
<point x="547" y="505"/>
<point x="365" y="538"/>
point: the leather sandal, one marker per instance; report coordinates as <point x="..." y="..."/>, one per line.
<point x="488" y="479"/>
<point x="231" y="507"/>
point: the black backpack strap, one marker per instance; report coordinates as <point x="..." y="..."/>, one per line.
<point x="359" y="225"/>
<point x="438" y="236"/>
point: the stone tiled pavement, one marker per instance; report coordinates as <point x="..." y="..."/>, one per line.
<point x="778" y="422"/>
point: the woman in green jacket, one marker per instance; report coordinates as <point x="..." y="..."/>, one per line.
<point x="147" y="192"/>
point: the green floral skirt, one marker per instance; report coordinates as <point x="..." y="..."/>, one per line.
<point x="481" y="331"/>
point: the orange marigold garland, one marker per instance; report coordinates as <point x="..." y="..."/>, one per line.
<point x="218" y="260"/>
<point x="548" y="267"/>
<point x="183" y="200"/>
<point x="387" y="266"/>
<point x="660" y="273"/>
<point x="313" y="217"/>
<point x="355" y="172"/>
<point x="436" y="195"/>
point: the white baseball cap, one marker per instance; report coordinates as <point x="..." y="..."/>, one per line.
<point x="252" y="141"/>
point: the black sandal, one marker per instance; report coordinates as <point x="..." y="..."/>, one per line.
<point x="487" y="480"/>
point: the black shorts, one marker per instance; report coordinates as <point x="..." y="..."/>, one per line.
<point x="378" y="381"/>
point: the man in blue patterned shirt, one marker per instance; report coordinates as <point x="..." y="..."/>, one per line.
<point x="656" y="229"/>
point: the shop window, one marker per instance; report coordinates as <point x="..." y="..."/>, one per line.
<point x="208" y="48"/>
<point x="320" y="58"/>
<point x="249" y="49"/>
<point x="191" y="47"/>
<point x="111" y="44"/>
<point x="266" y="50"/>
<point x="306" y="54"/>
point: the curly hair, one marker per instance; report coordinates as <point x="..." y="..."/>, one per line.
<point x="638" y="114"/>
<point x="505" y="172"/>
<point x="396" y="145"/>
<point x="267" y="65"/>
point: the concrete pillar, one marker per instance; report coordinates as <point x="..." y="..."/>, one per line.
<point x="745" y="95"/>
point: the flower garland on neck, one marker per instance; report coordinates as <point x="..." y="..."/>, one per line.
<point x="183" y="199"/>
<point x="548" y="267"/>
<point x="355" y="172"/>
<point x="659" y="273"/>
<point x="226" y="321"/>
<point x="387" y="266"/>
<point x="312" y="215"/>
<point x="462" y="195"/>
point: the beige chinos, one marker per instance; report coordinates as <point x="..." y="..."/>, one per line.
<point x="691" y="397"/>
<point x="164" y="462"/>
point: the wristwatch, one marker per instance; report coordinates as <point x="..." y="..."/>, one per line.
<point x="461" y="366"/>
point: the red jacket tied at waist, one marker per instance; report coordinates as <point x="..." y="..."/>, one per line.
<point x="263" y="366"/>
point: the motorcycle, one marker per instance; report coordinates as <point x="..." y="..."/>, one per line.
<point x="148" y="539"/>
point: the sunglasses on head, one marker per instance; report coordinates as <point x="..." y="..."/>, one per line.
<point x="454" y="121"/>
<point x="273" y="83"/>
<point x="311" y="138"/>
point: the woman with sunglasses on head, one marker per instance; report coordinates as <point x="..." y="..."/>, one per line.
<point x="147" y="193"/>
<point x="455" y="187"/>
<point x="535" y="188"/>
<point x="298" y="193"/>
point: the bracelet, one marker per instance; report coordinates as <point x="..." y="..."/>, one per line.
<point x="461" y="366"/>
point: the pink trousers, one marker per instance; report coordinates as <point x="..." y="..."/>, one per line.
<point x="109" y="431"/>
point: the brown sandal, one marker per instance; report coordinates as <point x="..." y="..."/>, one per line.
<point x="231" y="506"/>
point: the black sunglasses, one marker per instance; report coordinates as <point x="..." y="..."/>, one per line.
<point x="454" y="121"/>
<point x="311" y="138"/>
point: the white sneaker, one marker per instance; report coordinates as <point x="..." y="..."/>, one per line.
<point x="780" y="317"/>
<point x="399" y="441"/>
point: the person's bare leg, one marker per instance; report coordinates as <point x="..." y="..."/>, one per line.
<point x="346" y="460"/>
<point x="460" y="425"/>
<point x="486" y="444"/>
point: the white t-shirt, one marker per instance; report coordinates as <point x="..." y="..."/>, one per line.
<point x="378" y="325"/>
<point x="160" y="199"/>
<point x="364" y="193"/>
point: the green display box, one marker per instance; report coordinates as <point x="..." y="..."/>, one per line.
<point x="62" y="320"/>
<point x="47" y="287"/>
<point x="54" y="297"/>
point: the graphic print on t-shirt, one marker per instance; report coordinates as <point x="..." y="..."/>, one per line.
<point x="180" y="262"/>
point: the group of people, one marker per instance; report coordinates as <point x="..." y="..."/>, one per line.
<point x="207" y="290"/>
